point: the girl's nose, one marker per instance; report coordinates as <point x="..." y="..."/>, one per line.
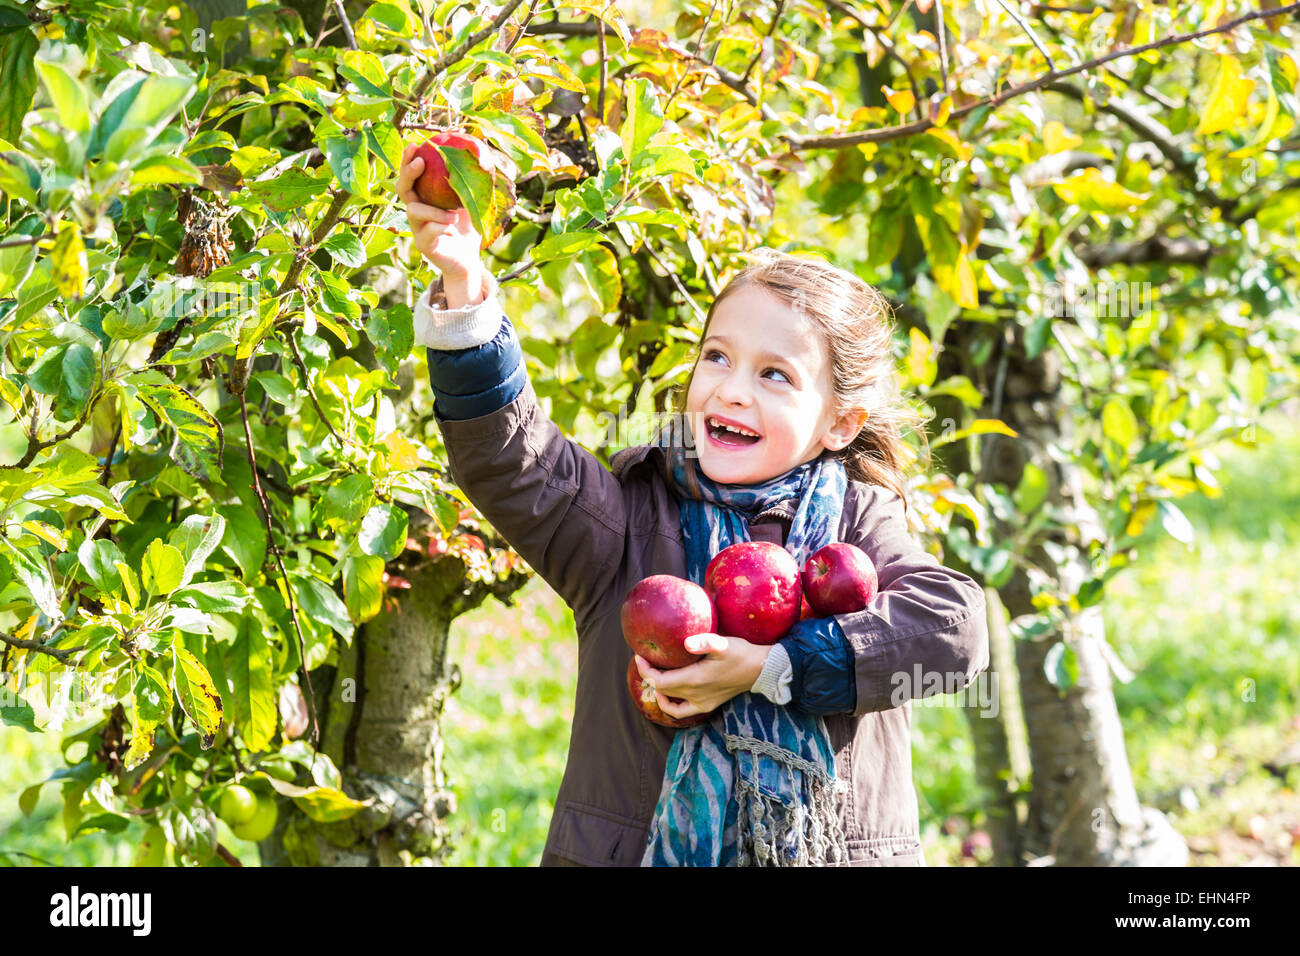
<point x="733" y="390"/>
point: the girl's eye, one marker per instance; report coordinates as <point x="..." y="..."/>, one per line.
<point x="713" y="355"/>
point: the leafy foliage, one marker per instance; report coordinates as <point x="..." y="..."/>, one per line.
<point x="205" y="301"/>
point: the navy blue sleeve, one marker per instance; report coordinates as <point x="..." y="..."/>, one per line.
<point x="470" y="383"/>
<point x="824" y="680"/>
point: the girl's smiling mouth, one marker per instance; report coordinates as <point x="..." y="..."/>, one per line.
<point x="726" y="433"/>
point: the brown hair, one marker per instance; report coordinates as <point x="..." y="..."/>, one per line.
<point x="856" y="324"/>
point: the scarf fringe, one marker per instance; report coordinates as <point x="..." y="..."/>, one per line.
<point x="772" y="832"/>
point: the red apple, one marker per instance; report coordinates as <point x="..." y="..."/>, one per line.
<point x="660" y="613"/>
<point x="755" y="588"/>
<point x="805" y="611"/>
<point x="643" y="695"/>
<point x="839" y="579"/>
<point x="434" y="186"/>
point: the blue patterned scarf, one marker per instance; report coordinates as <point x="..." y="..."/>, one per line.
<point x="755" y="785"/>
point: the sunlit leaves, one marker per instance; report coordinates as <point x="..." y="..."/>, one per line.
<point x="1228" y="97"/>
<point x="196" y="693"/>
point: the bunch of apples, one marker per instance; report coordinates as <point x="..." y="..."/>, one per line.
<point x="753" y="590"/>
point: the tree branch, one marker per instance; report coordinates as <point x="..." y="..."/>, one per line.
<point x="61" y="653"/>
<point x="279" y="561"/>
<point x="1154" y="249"/>
<point x="885" y="134"/>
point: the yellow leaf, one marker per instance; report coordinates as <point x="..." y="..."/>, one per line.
<point x="1089" y="190"/>
<point x="403" y="454"/>
<point x="901" y="100"/>
<point x="950" y="139"/>
<point x="964" y="283"/>
<point x="921" y="364"/>
<point x="940" y="107"/>
<point x="1228" y="99"/>
<point x="69" y="261"/>
<point x="1057" y="138"/>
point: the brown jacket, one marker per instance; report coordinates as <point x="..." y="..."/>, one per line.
<point x="592" y="534"/>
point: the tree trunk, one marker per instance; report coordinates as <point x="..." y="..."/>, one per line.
<point x="997" y="731"/>
<point x="1083" y="808"/>
<point x="381" y="724"/>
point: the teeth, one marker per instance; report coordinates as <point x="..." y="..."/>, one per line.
<point x="735" y="429"/>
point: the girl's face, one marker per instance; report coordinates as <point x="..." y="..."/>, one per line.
<point x="762" y="369"/>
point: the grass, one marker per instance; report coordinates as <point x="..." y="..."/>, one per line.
<point x="1208" y="632"/>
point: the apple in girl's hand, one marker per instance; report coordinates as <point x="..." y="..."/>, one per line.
<point x="660" y="613"/>
<point x="839" y="579"/>
<point x="755" y="587"/>
<point x="643" y="695"/>
<point x="434" y="186"/>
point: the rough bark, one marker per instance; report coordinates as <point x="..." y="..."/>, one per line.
<point x="383" y="729"/>
<point x="997" y="732"/>
<point x="1083" y="807"/>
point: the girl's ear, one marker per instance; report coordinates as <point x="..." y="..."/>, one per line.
<point x="844" y="429"/>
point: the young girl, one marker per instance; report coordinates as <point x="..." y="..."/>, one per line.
<point x="792" y="435"/>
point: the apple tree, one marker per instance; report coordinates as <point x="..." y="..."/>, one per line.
<point x="228" y="509"/>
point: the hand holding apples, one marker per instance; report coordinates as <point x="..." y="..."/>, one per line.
<point x="729" y="667"/>
<point x="446" y="237"/>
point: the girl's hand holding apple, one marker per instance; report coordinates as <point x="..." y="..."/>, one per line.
<point x="446" y="237"/>
<point x="730" y="666"/>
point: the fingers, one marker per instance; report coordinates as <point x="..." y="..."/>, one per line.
<point x="706" y="644"/>
<point x="419" y="213"/>
<point x="407" y="174"/>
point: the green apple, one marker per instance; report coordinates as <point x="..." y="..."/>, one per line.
<point x="260" y="826"/>
<point x="237" y="805"/>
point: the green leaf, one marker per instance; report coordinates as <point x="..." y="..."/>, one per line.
<point x="1176" y="523"/>
<point x="392" y="331"/>
<point x="17" y="80"/>
<point x="156" y="102"/>
<point x="322" y="604"/>
<point x="197" y="694"/>
<point x="383" y="531"/>
<point x="1032" y="490"/>
<point x="363" y="588"/>
<point x="36" y="578"/>
<point x="642" y="117"/>
<point x="347" y="501"/>
<point x="346" y="248"/>
<point x="564" y="245"/>
<point x="291" y="190"/>
<point x="1061" y="666"/>
<point x="98" y="559"/>
<point x="327" y="805"/>
<point x="250" y="670"/>
<point x="198" y="434"/>
<point x="67" y="95"/>
<point x="196" y="538"/>
<point x="244" y="538"/>
<point x="216" y="597"/>
<point x="163" y="568"/>
<point x="153" y="698"/>
<point x="19" y="176"/>
<point x="348" y="159"/>
<point x="166" y="171"/>
<point x="68" y="261"/>
<point x="20" y="715"/>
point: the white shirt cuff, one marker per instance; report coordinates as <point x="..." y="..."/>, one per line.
<point x="438" y="327"/>
<point x="774" y="680"/>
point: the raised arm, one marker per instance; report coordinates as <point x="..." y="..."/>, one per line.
<point x="555" y="503"/>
